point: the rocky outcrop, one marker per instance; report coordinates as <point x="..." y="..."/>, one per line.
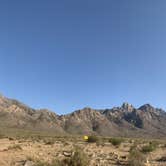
<point x="118" y="121"/>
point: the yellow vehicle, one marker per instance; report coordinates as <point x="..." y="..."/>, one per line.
<point x="85" y="138"/>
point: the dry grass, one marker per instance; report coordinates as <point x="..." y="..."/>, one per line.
<point x="136" y="158"/>
<point x="49" y="151"/>
<point x="15" y="147"/>
<point x="79" y="158"/>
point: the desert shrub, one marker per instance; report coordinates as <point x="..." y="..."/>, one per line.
<point x="15" y="147"/>
<point x="149" y="148"/>
<point x="29" y="158"/>
<point x="78" y="159"/>
<point x="136" y="158"/>
<point x="49" y="142"/>
<point x="116" y="141"/>
<point x="53" y="163"/>
<point x="36" y="162"/>
<point x="39" y="163"/>
<point x="59" y="162"/>
<point x="133" y="147"/>
<point x="66" y="143"/>
<point x="100" y="143"/>
<point x="131" y="141"/>
<point x="154" y="144"/>
<point x="162" y="159"/>
<point x="92" y="139"/>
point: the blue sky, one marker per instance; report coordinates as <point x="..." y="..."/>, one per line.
<point x="65" y="55"/>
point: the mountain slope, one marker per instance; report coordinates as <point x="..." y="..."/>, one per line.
<point x="126" y="120"/>
<point x="15" y="114"/>
<point x="87" y="121"/>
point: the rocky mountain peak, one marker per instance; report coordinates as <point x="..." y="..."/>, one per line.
<point x="118" y="121"/>
<point x="86" y="113"/>
<point x="4" y="102"/>
<point x="146" y="107"/>
<point x="127" y="107"/>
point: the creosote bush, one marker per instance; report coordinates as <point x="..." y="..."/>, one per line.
<point x="136" y="158"/>
<point x="149" y="148"/>
<point x="79" y="158"/>
<point x="49" y="142"/>
<point x="15" y="147"/>
<point x="92" y="139"/>
<point x="116" y="141"/>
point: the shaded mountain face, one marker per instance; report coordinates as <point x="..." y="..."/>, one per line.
<point x="126" y="120"/>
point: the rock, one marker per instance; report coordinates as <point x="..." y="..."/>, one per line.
<point x="123" y="157"/>
<point x="29" y="163"/>
<point x="67" y="153"/>
<point x="162" y="159"/>
<point x="127" y="106"/>
<point x="41" y="154"/>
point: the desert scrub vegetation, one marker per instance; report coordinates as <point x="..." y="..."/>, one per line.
<point x="10" y="138"/>
<point x="149" y="148"/>
<point x="53" y="163"/>
<point x="162" y="159"/>
<point x="92" y="139"/>
<point x="15" y="147"/>
<point x="136" y="158"/>
<point x="49" y="142"/>
<point x="116" y="141"/>
<point x="79" y="158"/>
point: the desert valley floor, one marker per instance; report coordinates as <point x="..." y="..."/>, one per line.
<point x="40" y="152"/>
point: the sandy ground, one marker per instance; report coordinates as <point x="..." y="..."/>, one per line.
<point x="17" y="152"/>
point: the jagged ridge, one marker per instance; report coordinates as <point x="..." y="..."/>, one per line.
<point x="118" y="121"/>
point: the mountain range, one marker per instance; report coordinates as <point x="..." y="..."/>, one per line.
<point x="125" y="121"/>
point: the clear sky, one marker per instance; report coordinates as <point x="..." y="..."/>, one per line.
<point x="68" y="54"/>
